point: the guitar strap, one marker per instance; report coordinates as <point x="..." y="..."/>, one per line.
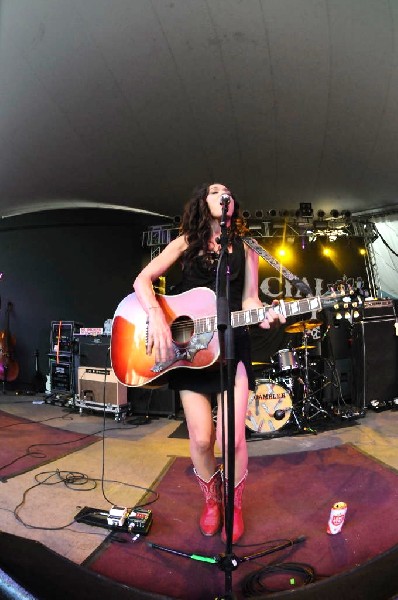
<point x="298" y="283"/>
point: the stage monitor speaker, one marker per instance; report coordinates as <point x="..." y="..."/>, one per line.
<point x="153" y="401"/>
<point x="92" y="384"/>
<point x="374" y="351"/>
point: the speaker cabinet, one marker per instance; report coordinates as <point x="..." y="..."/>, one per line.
<point x="374" y="351"/>
<point x="100" y="386"/>
<point x="153" y="401"/>
<point x="94" y="351"/>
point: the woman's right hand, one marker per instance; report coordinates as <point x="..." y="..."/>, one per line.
<point x="159" y="336"/>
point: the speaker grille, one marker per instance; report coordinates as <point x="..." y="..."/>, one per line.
<point x="374" y="349"/>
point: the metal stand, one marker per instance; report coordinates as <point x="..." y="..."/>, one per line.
<point x="228" y="561"/>
<point x="310" y="406"/>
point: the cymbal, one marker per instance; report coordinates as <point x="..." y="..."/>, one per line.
<point x="304" y="347"/>
<point x="301" y="326"/>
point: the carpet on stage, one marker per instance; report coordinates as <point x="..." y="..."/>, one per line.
<point x="286" y="496"/>
<point x="26" y="444"/>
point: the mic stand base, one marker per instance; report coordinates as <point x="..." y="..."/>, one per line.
<point x="228" y="562"/>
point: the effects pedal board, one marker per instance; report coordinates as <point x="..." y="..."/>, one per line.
<point x="131" y="520"/>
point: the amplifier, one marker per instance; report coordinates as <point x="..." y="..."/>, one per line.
<point x="375" y="354"/>
<point x="98" y="386"/>
<point x="61" y="376"/>
<point x="94" y="351"/>
<point x="376" y="309"/>
<point x="62" y="337"/>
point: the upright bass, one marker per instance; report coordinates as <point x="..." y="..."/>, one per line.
<point x="9" y="368"/>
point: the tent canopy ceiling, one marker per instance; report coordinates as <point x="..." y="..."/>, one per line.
<point x="130" y="103"/>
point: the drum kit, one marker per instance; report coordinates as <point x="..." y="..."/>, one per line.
<point x="289" y="389"/>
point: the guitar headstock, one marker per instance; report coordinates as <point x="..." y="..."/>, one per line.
<point x="344" y="300"/>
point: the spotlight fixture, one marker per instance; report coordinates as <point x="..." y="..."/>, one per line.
<point x="346" y="214"/>
<point x="320" y="214"/>
<point x="272" y="212"/>
<point x="259" y="214"/>
<point x="306" y="209"/>
<point x="334" y="213"/>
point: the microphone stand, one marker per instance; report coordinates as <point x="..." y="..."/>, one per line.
<point x="228" y="561"/>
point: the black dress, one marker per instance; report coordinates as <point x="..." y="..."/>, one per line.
<point x="202" y="273"/>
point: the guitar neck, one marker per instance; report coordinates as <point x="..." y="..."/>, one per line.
<point x="252" y="316"/>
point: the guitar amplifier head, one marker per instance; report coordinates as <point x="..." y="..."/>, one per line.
<point x="376" y="309"/>
<point x="100" y="386"/>
<point x="94" y="351"/>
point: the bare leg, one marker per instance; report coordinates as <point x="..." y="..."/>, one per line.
<point x="241" y="393"/>
<point x="202" y="437"/>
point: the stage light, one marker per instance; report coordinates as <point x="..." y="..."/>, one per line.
<point x="327" y="251"/>
<point x="283" y="213"/>
<point x="246" y="214"/>
<point x="338" y="316"/>
<point x="306" y="209"/>
<point x="281" y="251"/>
<point x="320" y="214"/>
<point x="259" y="214"/>
<point x="394" y="404"/>
<point x="272" y="212"/>
<point x="334" y="213"/>
<point x="362" y="251"/>
<point x="346" y="214"/>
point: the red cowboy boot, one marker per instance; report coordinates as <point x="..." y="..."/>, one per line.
<point x="238" y="526"/>
<point x="210" y="520"/>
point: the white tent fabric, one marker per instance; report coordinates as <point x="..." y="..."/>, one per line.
<point x="385" y="250"/>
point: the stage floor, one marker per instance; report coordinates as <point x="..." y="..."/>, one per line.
<point x="127" y="459"/>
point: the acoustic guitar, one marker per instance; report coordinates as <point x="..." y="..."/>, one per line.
<point x="193" y="322"/>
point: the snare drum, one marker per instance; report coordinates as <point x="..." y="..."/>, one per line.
<point x="287" y="360"/>
<point x="268" y="399"/>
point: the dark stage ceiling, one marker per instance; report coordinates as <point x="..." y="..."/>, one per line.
<point x="130" y="103"/>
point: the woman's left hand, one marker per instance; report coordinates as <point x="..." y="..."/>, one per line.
<point x="272" y="318"/>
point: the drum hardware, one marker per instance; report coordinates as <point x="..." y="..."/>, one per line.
<point x="310" y="406"/>
<point x="302" y="326"/>
<point x="305" y="347"/>
<point x="269" y="407"/>
<point x="255" y="364"/>
<point x="286" y="359"/>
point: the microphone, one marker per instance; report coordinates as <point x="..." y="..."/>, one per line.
<point x="225" y="200"/>
<point x="326" y="332"/>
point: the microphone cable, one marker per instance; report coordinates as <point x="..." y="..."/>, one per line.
<point x="253" y="584"/>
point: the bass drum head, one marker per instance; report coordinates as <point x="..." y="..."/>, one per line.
<point x="268" y="399"/>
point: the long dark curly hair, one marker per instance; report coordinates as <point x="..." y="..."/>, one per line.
<point x="196" y="222"/>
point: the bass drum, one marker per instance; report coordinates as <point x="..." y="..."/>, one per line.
<point x="269" y="407"/>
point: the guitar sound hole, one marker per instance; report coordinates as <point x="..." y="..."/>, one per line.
<point x="182" y="330"/>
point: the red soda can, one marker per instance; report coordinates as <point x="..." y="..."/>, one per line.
<point x="337" y="516"/>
